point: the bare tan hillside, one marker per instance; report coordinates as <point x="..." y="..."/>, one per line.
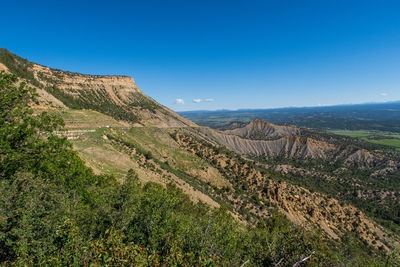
<point x="261" y="129"/>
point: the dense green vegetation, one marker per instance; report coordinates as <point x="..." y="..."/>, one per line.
<point x="142" y="101"/>
<point x="17" y="66"/>
<point x="89" y="99"/>
<point x="56" y="211"/>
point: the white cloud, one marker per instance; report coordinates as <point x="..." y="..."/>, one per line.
<point x="197" y="100"/>
<point x="179" y="101"/>
<point x="383" y="94"/>
<point x="209" y="100"/>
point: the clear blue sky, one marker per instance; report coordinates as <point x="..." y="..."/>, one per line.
<point x="241" y="54"/>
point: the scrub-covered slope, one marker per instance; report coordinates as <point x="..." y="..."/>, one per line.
<point x="138" y="133"/>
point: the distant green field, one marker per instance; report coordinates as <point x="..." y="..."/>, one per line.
<point x="394" y="140"/>
<point x="353" y="133"/>
<point x="386" y="142"/>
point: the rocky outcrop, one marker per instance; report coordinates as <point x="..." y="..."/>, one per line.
<point x="289" y="146"/>
<point x="261" y="129"/>
<point x="119" y="89"/>
<point x="361" y="155"/>
<point x="261" y="138"/>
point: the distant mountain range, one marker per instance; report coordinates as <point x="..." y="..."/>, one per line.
<point x="368" y="116"/>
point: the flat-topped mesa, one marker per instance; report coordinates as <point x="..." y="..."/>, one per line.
<point x="71" y="80"/>
<point x="46" y="70"/>
<point x="113" y="95"/>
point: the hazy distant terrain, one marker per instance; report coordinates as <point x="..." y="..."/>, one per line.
<point x="374" y="116"/>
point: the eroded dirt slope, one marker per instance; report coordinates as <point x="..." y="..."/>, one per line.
<point x="299" y="204"/>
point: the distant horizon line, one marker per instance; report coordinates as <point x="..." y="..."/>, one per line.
<point x="291" y="107"/>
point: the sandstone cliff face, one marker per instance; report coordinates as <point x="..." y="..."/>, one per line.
<point x="119" y="88"/>
<point x="116" y="96"/>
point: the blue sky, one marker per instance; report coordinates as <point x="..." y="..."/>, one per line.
<point x="235" y="54"/>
